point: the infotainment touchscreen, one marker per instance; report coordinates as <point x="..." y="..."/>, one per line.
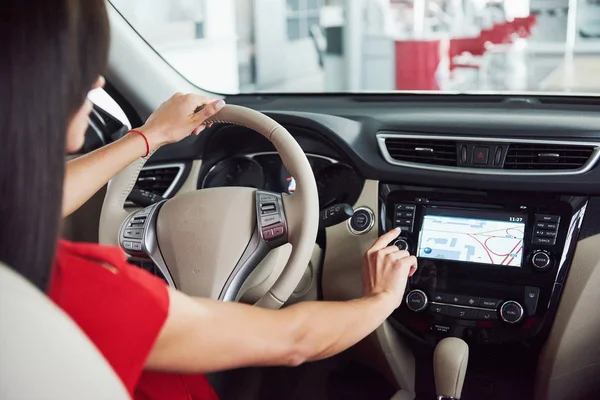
<point x="482" y="237"/>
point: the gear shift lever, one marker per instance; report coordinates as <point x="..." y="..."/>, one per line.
<point x="450" y="360"/>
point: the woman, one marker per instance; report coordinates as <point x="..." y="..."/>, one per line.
<point x="53" y="54"/>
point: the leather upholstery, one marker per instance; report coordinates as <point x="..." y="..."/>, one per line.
<point x="43" y="354"/>
<point x="450" y="361"/>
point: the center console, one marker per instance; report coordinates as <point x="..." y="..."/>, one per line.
<point x="491" y="264"/>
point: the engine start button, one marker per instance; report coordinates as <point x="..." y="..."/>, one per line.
<point x="362" y="221"/>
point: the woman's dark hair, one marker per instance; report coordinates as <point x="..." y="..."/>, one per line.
<point x="52" y="53"/>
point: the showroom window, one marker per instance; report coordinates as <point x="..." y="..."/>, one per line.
<point x="165" y="21"/>
<point x="301" y="15"/>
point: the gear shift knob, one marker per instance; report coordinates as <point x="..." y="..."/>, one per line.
<point x="450" y="360"/>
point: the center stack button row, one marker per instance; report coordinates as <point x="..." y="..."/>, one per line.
<point x="463" y="313"/>
<point x="463" y="300"/>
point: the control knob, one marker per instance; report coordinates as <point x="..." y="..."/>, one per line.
<point x="416" y="300"/>
<point x="511" y="312"/>
<point x="541" y="260"/>
<point x="401" y="244"/>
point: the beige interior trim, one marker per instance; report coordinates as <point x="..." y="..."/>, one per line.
<point x="342" y="281"/>
<point x="403" y="395"/>
<point x="569" y="365"/>
<point x="399" y="357"/>
<point x="450" y="360"/>
<point x="43" y="353"/>
<point x="203" y="234"/>
<point x="342" y="266"/>
<point x="113" y="213"/>
<point x="267" y="272"/>
<point x="184" y="241"/>
<point x="191" y="183"/>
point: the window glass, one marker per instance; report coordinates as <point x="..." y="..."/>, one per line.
<point x="246" y="46"/>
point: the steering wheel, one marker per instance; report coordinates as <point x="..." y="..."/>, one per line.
<point x="207" y="242"/>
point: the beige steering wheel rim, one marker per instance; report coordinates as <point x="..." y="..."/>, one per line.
<point x="301" y="208"/>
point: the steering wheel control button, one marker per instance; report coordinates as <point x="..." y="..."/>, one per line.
<point x="137" y="222"/>
<point x="278" y="232"/>
<point x="133" y="233"/>
<point x="267" y="198"/>
<point x="487" y="315"/>
<point x="532" y="295"/>
<point x="132" y="246"/>
<point x="401" y="244"/>
<point x="269" y="220"/>
<point x="489" y="303"/>
<point x="268" y="208"/>
<point x="511" y="312"/>
<point x="416" y="300"/>
<point x="268" y="234"/>
<point x="481" y="155"/>
<point x="362" y="221"/>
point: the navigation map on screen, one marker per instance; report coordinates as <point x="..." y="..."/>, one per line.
<point x="482" y="241"/>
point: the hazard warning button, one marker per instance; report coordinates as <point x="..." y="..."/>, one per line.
<point x="481" y="155"/>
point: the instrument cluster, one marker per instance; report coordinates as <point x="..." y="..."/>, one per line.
<point x="336" y="182"/>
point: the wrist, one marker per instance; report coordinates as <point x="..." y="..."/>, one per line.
<point x="387" y="298"/>
<point x="154" y="137"/>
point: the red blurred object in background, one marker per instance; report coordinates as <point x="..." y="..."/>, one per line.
<point x="417" y="62"/>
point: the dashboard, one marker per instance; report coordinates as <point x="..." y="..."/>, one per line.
<point x="497" y="197"/>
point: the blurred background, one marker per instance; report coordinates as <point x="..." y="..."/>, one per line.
<point x="248" y="46"/>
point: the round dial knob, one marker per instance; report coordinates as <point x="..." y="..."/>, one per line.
<point x="416" y="300"/>
<point x="511" y="312"/>
<point x="401" y="244"/>
<point x="541" y="260"/>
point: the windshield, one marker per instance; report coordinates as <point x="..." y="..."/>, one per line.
<point x="248" y="46"/>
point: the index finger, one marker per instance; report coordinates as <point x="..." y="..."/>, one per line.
<point x="385" y="239"/>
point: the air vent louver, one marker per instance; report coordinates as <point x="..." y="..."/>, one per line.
<point x="158" y="180"/>
<point x="533" y="156"/>
<point x="423" y="151"/>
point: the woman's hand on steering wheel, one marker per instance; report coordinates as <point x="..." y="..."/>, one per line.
<point x="179" y="117"/>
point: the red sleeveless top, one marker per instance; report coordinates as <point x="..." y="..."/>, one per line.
<point x="122" y="309"/>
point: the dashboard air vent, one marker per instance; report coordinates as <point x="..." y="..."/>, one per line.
<point x="534" y="156"/>
<point x="160" y="180"/>
<point x="423" y="151"/>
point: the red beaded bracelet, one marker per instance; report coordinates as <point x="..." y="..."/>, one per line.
<point x="145" y="140"/>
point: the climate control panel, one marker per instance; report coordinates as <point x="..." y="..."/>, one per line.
<point x="472" y="307"/>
